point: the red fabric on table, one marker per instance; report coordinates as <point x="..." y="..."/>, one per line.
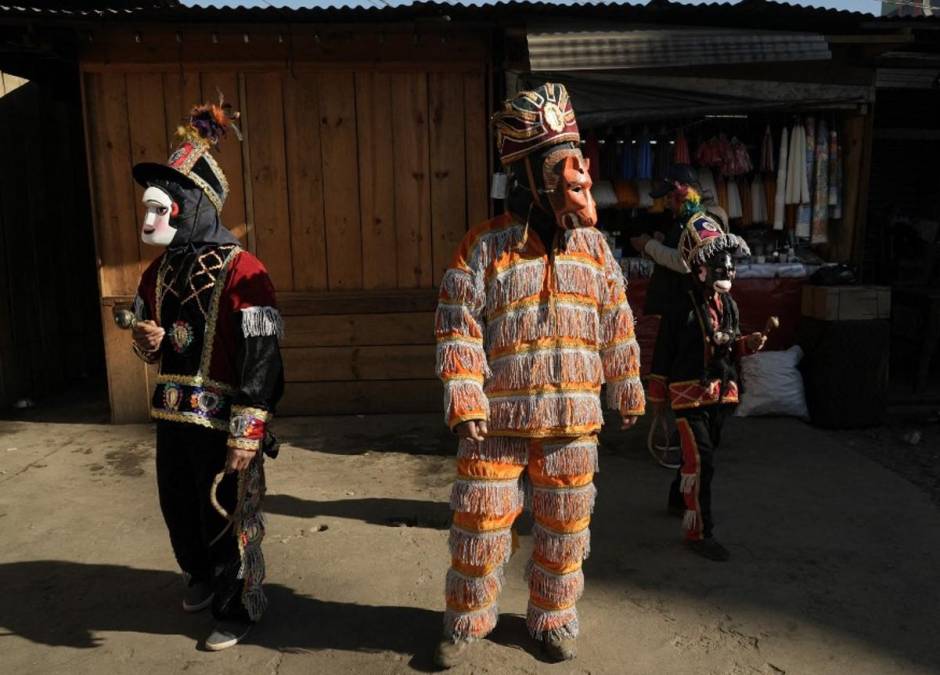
<point x="757" y="300"/>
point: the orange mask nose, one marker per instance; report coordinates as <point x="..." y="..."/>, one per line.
<point x="572" y="201"/>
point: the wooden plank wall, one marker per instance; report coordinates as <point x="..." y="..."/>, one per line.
<point x="49" y="333"/>
<point x="352" y="185"/>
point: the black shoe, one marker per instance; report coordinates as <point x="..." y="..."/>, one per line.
<point x="709" y="548"/>
<point x="558" y="649"/>
<point x="227" y="634"/>
<point x="450" y="654"/>
<point x="198" y="596"/>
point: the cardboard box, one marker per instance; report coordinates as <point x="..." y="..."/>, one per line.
<point x="847" y="303"/>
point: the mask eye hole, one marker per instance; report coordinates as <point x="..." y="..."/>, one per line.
<point x="162" y="210"/>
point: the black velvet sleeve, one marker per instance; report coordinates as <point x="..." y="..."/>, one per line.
<point x="261" y="372"/>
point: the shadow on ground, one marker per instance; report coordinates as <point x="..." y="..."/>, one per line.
<point x="375" y="510"/>
<point x="65" y="604"/>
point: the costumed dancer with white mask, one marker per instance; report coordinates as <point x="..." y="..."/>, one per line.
<point x="206" y="313"/>
<point x="695" y="367"/>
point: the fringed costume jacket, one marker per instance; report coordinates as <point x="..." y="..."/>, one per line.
<point x="526" y="336"/>
<point x="220" y="363"/>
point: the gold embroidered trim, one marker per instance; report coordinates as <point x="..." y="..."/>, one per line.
<point x="196" y="381"/>
<point x="189" y="418"/>
<point x="253" y="444"/>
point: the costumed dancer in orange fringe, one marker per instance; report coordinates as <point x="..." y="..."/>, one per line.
<point x="205" y="311"/>
<point x="533" y="318"/>
<point x="694" y="366"/>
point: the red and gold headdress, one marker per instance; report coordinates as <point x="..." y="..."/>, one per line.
<point x="535" y="119"/>
<point x="192" y="161"/>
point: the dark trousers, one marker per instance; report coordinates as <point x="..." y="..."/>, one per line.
<point x="188" y="459"/>
<point x="699" y="436"/>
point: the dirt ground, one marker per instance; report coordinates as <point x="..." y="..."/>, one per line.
<point x="833" y="565"/>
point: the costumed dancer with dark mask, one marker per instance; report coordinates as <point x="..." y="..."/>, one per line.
<point x="694" y="366"/>
<point x="533" y="317"/>
<point x="205" y="311"/>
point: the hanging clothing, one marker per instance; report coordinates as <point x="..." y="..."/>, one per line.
<point x="706" y="179"/>
<point x="681" y="150"/>
<point x="835" y="176"/>
<point x="747" y="207"/>
<point x="628" y="160"/>
<point x="804" y="215"/>
<point x="644" y="156"/>
<point x="767" y="152"/>
<point x="780" y="189"/>
<point x="758" y="201"/>
<point x="721" y="187"/>
<point x="820" y="227"/>
<point x="733" y="208"/>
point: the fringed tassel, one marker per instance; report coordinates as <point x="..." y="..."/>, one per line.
<point x="585" y="240"/>
<point x="690" y="520"/>
<point x="519" y="281"/>
<point x="626" y="395"/>
<point x="455" y="356"/>
<point x="723" y="242"/>
<point x="687" y="483"/>
<point x="580" y="279"/>
<point x="570" y="459"/>
<point x="459" y="286"/>
<point x="561" y="623"/>
<point x="456" y="320"/>
<point x="250" y="531"/>
<point x="262" y="322"/>
<point x="490" y="497"/>
<point x="622" y="359"/>
<point x="545" y="412"/>
<point x="463" y="592"/>
<point x="565" y="504"/>
<point x="533" y="369"/>
<point x="557" y="589"/>
<point x="617" y="324"/>
<point x="561" y="547"/>
<point x="466" y="626"/>
<point x="480" y="548"/>
<point x="494" y="244"/>
<point x="462" y="397"/>
<point x="501" y="449"/>
<point x="535" y="322"/>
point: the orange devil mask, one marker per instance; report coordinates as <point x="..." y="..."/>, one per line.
<point x="568" y="186"/>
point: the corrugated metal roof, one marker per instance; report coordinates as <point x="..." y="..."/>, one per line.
<point x="743" y="13"/>
<point x="606" y="50"/>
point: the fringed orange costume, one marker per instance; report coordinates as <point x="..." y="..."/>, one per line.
<point x="528" y="331"/>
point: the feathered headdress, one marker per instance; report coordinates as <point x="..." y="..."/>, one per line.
<point x="192" y="163"/>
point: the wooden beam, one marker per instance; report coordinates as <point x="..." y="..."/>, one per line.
<point x="379" y="362"/>
<point x="336" y="330"/>
<point x="337" y="398"/>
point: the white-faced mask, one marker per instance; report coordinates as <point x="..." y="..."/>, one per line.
<point x="156" y="229"/>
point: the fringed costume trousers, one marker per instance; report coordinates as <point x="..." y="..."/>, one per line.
<point x="495" y="478"/>
<point x="208" y="548"/>
<point x="699" y="436"/>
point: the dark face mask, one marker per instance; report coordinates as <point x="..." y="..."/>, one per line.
<point x="718" y="272"/>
